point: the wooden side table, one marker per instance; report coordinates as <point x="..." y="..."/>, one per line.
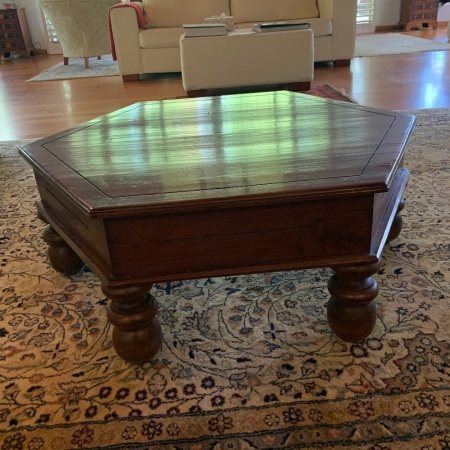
<point x="418" y="12"/>
<point x="14" y="33"/>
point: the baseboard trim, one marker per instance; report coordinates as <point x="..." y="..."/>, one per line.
<point x="40" y="51"/>
<point x="384" y="28"/>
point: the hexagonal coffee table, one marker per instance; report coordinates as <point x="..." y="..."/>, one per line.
<point x="191" y="188"/>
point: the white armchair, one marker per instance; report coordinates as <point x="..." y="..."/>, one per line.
<point x="81" y="26"/>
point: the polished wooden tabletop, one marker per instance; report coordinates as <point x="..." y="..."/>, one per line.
<point x="191" y="152"/>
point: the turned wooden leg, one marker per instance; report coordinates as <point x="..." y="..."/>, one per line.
<point x="299" y="86"/>
<point x="351" y="309"/>
<point x="197" y="93"/>
<point x="341" y="62"/>
<point x="66" y="61"/>
<point x="131" y="77"/>
<point x="86" y="63"/>
<point x="62" y="258"/>
<point x="137" y="333"/>
<point x="397" y="223"/>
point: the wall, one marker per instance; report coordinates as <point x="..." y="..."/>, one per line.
<point x="444" y="13"/>
<point x="387" y="12"/>
<point x="34" y="22"/>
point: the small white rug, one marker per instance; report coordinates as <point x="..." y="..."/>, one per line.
<point x="104" y="67"/>
<point x="394" y="44"/>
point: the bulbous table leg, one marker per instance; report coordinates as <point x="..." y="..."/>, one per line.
<point x="137" y="333"/>
<point x="62" y="258"/>
<point x="397" y="223"/>
<point x="351" y="309"/>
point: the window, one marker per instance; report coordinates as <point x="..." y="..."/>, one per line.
<point x="53" y="45"/>
<point x="365" y="16"/>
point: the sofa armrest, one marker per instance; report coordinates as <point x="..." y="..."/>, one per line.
<point x="125" y="32"/>
<point x="343" y="15"/>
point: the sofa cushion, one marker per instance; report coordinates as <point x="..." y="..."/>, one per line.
<point x="160" y="37"/>
<point x="175" y="13"/>
<point x="270" y="11"/>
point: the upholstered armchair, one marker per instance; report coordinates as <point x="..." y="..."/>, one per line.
<point x="81" y="26"/>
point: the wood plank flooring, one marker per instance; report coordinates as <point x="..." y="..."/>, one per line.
<point x="33" y="110"/>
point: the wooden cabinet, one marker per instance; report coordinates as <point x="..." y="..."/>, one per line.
<point x="14" y="34"/>
<point x="418" y="12"/>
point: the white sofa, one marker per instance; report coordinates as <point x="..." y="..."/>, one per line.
<point x="155" y="48"/>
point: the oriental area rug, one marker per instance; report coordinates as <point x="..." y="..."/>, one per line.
<point x="247" y="362"/>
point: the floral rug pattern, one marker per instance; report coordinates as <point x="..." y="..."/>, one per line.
<point x="247" y="362"/>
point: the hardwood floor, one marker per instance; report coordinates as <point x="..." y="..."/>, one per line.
<point x="33" y="110"/>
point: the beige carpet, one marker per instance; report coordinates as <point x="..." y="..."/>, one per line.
<point x="104" y="67"/>
<point x="394" y="44"/>
<point x="247" y="362"/>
